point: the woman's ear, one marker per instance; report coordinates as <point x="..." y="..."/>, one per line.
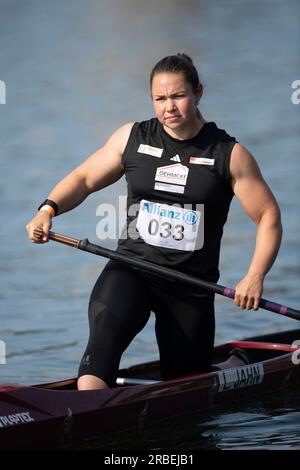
<point x="198" y="93"/>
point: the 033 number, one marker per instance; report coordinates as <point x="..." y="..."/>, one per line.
<point x="166" y="230"/>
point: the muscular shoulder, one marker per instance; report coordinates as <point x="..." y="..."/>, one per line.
<point x="243" y="164"/>
<point x="119" y="138"/>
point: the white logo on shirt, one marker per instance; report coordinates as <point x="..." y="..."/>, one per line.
<point x="170" y="188"/>
<point x="175" y="174"/>
<point x="148" y="150"/>
<point x="175" y="158"/>
<point x="202" y="161"/>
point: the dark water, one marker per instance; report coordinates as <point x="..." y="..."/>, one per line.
<point x="74" y="72"/>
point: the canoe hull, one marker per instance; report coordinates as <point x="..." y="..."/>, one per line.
<point x="56" y="415"/>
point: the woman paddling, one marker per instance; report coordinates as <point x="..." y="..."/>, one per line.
<point x="182" y="173"/>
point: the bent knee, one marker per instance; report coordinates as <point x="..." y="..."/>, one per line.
<point x="91" y="382"/>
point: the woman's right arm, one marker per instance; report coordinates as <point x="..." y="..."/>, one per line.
<point x="101" y="169"/>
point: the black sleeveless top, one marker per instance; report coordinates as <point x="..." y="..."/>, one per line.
<point x="164" y="170"/>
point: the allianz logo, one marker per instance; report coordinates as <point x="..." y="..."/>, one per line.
<point x="189" y="217"/>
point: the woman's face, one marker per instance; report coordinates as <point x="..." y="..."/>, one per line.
<point x="174" y="101"/>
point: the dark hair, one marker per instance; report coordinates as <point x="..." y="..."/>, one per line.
<point x="179" y="63"/>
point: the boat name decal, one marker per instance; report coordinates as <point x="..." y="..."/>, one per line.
<point x="17" y="418"/>
<point x="240" y="377"/>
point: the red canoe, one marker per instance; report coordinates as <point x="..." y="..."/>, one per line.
<point x="56" y="414"/>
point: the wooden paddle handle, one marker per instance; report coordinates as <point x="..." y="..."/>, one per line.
<point x="58" y="237"/>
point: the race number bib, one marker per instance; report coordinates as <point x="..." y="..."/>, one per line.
<point x="168" y="226"/>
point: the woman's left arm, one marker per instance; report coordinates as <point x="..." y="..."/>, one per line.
<point x="260" y="204"/>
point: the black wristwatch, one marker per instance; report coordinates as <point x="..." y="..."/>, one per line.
<point x="49" y="202"/>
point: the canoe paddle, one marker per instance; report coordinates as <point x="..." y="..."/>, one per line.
<point x="85" y="245"/>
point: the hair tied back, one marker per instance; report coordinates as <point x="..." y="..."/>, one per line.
<point x="184" y="56"/>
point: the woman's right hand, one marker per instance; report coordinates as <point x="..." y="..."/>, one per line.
<point x="38" y="228"/>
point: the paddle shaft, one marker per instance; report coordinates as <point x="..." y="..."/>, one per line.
<point x="164" y="272"/>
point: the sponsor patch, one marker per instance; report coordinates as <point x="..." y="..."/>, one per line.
<point x="148" y="150"/>
<point x="173" y="174"/>
<point x="202" y="161"/>
<point x="240" y="377"/>
<point x="171" y="188"/>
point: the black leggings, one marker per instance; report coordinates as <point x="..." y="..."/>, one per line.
<point x="119" y="308"/>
